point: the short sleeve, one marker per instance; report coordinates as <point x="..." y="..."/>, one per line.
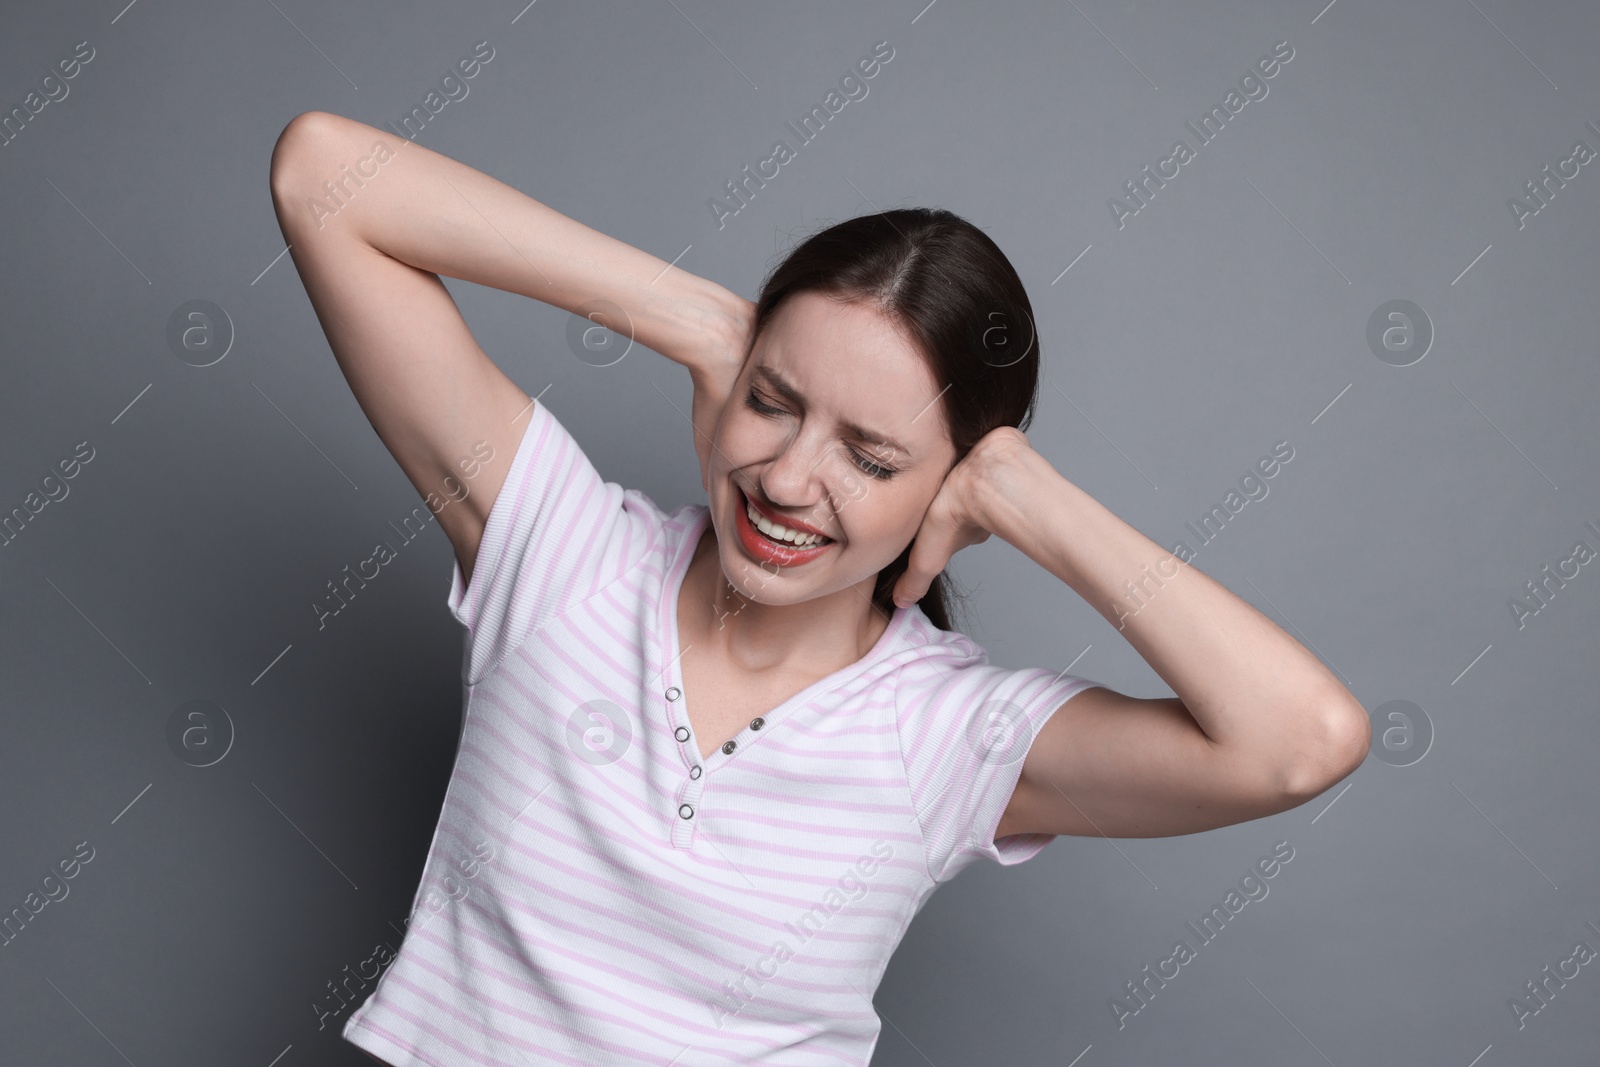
<point x="965" y="727"/>
<point x="556" y="534"/>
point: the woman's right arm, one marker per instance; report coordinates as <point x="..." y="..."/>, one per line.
<point x="370" y="261"/>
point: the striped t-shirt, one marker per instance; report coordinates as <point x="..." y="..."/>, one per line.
<point x="595" y="893"/>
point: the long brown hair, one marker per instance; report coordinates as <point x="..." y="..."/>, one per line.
<point x="956" y="296"/>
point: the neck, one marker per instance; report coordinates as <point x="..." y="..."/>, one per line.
<point x="814" y="637"/>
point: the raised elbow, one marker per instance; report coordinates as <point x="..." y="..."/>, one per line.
<point x="298" y="141"/>
<point x="1337" y="739"/>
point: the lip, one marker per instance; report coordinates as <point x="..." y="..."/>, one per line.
<point x="763" y="550"/>
<point x="781" y="520"/>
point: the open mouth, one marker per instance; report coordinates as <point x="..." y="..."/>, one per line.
<point x="771" y="543"/>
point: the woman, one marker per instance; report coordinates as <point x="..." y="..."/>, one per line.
<point x="714" y="760"/>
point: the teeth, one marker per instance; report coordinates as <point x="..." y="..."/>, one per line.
<point x="779" y="533"/>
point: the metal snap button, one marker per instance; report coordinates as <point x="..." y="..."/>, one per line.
<point x="694" y="772"/>
<point x="757" y="723"/>
<point x="685" y="811"/>
<point x="681" y="733"/>
<point x="728" y="747"/>
<point x="673" y="693"/>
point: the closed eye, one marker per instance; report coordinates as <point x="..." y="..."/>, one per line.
<point x="756" y="405"/>
<point x="874" y="470"/>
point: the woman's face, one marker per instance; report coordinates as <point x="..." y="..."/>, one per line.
<point x="835" y="425"/>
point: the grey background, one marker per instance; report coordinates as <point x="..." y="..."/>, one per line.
<point x="1230" y="313"/>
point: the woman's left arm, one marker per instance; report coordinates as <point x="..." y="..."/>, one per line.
<point x="1258" y="725"/>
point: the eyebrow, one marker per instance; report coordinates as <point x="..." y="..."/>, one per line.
<point x="785" y="389"/>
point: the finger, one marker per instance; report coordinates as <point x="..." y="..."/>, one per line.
<point x="928" y="557"/>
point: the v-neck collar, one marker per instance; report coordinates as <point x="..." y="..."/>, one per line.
<point x="670" y="674"/>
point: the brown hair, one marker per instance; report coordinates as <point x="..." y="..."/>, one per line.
<point x="957" y="297"/>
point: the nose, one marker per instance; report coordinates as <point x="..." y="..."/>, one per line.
<point x="791" y="481"/>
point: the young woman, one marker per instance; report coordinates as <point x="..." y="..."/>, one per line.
<point x="713" y="760"/>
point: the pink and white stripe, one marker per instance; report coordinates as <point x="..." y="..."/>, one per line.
<point x="642" y="905"/>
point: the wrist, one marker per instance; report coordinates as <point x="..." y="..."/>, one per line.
<point x="1003" y="473"/>
<point x="1009" y="492"/>
<point x="708" y="327"/>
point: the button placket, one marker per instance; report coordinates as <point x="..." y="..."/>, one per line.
<point x="681" y="734"/>
<point x="730" y="746"/>
<point x="689" y="797"/>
